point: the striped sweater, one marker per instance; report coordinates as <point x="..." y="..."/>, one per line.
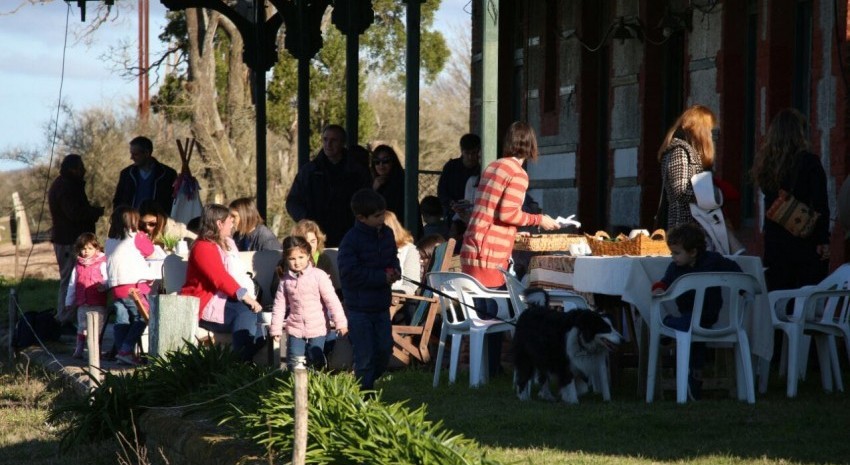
<point x="489" y="239"/>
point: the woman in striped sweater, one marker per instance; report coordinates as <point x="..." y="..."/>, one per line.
<point x="497" y="213"/>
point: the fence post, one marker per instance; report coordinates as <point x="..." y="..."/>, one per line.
<point x="93" y="343"/>
<point x="299" y="446"/>
<point x="13" y="313"/>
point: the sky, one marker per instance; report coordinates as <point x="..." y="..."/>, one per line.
<point x="31" y="46"/>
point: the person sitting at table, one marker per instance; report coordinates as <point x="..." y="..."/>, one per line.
<point x="688" y="249"/>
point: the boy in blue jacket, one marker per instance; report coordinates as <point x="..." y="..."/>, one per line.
<point x="688" y="249"/>
<point x="368" y="265"/>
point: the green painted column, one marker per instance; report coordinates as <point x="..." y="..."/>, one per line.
<point x="490" y="81"/>
<point x="411" y="113"/>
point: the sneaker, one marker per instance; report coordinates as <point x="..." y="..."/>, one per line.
<point x="127" y="358"/>
<point x="694" y="388"/>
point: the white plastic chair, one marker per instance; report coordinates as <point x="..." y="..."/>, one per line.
<point x="516" y="289"/>
<point x="739" y="289"/>
<point x="173" y="273"/>
<point x="820" y="311"/>
<point x="460" y="319"/>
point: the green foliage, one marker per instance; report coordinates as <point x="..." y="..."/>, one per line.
<point x="110" y="408"/>
<point x="344" y="427"/>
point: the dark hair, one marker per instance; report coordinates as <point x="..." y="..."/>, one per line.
<point x="430" y="206"/>
<point x="359" y="154"/>
<point x="71" y="161"/>
<point x="337" y="128"/>
<point x="209" y="230"/>
<point x="470" y="142"/>
<point x="785" y="141"/>
<point x="689" y="236"/>
<point x="124" y="219"/>
<point x="143" y="143"/>
<point x="85" y="239"/>
<point x="291" y="244"/>
<point x="520" y="142"/>
<point x="397" y="170"/>
<point x="249" y="216"/>
<point x="194" y="224"/>
<point x="149" y="207"/>
<point x="367" y="202"/>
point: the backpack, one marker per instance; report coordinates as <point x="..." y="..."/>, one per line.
<point x="42" y="324"/>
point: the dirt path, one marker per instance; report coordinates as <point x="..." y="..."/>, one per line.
<point x="42" y="262"/>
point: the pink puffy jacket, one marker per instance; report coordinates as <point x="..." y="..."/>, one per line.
<point x="307" y="295"/>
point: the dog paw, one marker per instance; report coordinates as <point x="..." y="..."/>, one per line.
<point x="568" y="394"/>
<point x="581" y="387"/>
<point x="523" y="394"/>
<point x="546" y="395"/>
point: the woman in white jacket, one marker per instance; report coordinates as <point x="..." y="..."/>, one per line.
<point x="408" y="255"/>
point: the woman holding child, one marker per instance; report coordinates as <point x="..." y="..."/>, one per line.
<point x="225" y="306"/>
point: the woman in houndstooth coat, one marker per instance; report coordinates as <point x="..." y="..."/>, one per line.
<point x="687" y="149"/>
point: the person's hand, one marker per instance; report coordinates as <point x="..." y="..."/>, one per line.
<point x="393" y="275"/>
<point x="823" y="251"/>
<point x="252" y="304"/>
<point x="378" y="182"/>
<point x="342" y="332"/>
<point x="549" y="224"/>
<point x="276" y="338"/>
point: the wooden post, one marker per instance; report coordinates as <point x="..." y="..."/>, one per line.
<point x="93" y="343"/>
<point x="24" y="239"/>
<point x="174" y="319"/>
<point x="299" y="446"/>
<point x="13" y="314"/>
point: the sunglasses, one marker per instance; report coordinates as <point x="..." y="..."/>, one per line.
<point x="381" y="161"/>
<point x="150" y="223"/>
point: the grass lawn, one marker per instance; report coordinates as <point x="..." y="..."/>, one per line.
<point x="719" y="430"/>
<point x="812" y="429"/>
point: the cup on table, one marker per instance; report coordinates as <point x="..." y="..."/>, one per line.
<point x="579" y="249"/>
<point x="635" y="232"/>
<point x="182" y="248"/>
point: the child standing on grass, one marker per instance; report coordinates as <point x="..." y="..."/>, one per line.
<point x="688" y="249"/>
<point x="87" y="291"/>
<point x="368" y="265"/>
<point x="305" y="291"/>
<point x="127" y="269"/>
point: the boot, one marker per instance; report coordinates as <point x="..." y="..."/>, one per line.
<point x="81" y="345"/>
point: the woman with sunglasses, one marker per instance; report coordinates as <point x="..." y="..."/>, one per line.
<point x="388" y="178"/>
<point x="156" y="224"/>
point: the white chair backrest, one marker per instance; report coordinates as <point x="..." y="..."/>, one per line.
<point x="515" y="289"/>
<point x="465" y="288"/>
<point x="738" y="290"/>
<point x="174" y="273"/>
<point x="262" y="264"/>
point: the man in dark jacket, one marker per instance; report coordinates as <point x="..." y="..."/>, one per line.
<point x="323" y="187"/>
<point x="72" y="215"/>
<point x="145" y="179"/>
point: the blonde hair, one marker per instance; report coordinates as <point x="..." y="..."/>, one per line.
<point x="303" y="227"/>
<point x="694" y="126"/>
<point x="402" y="236"/>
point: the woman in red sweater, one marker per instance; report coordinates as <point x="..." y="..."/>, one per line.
<point x="225" y="306"/>
<point x="489" y="239"/>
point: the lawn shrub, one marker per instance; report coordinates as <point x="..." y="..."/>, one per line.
<point x="345" y="427"/>
<point x="258" y="403"/>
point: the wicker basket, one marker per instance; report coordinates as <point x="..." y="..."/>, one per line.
<point x="547" y="242"/>
<point x="601" y="244"/>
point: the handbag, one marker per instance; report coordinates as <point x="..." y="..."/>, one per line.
<point x="796" y="217"/>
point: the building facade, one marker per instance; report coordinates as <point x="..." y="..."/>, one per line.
<point x="602" y="80"/>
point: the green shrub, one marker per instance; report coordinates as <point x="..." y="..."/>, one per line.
<point x="343" y="427"/>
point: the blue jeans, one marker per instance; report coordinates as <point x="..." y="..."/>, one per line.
<point x="129" y="324"/>
<point x="683" y="323"/>
<point x="313" y="348"/>
<point x="241" y="322"/>
<point x="371" y="339"/>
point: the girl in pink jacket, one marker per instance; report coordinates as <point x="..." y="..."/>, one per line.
<point x="302" y="296"/>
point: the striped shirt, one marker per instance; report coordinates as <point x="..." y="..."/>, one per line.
<point x="489" y="240"/>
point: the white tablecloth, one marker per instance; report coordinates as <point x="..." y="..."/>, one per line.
<point x="631" y="278"/>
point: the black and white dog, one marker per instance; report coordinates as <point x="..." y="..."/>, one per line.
<point x="562" y="349"/>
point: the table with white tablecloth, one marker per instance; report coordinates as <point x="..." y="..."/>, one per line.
<point x="631" y="279"/>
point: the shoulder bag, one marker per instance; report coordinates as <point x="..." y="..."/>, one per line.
<point x="796" y="217"/>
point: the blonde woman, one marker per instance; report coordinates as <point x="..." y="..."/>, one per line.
<point x="408" y="254"/>
<point x="310" y="230"/>
<point x="687" y="149"/>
